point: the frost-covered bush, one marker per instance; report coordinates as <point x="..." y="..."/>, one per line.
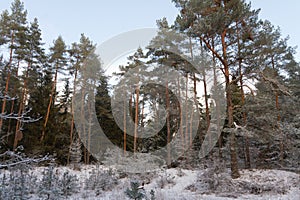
<point x="257" y="188"/>
<point x="17" y="183"/>
<point x="4" y="187"/>
<point x="101" y="180"/>
<point x="164" y="180"/>
<point x="213" y="180"/>
<point x="256" y="182"/>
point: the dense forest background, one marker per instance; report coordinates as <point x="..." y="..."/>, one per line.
<point x="245" y="56"/>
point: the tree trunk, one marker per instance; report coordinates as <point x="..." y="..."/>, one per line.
<point x="207" y="117"/>
<point x="186" y="112"/>
<point x="125" y="125"/>
<point x="233" y="153"/>
<point x="136" y="117"/>
<point x="279" y="128"/>
<point x="50" y="103"/>
<point x="82" y="133"/>
<point x="181" y="117"/>
<point x="218" y="112"/>
<point x="13" y="105"/>
<point x="206" y="106"/>
<point x="195" y="93"/>
<point x="89" y="130"/>
<point x="21" y="109"/>
<point x="247" y="150"/>
<point x="246" y="139"/>
<point x="192" y="114"/>
<point x="143" y="113"/>
<point x="7" y="80"/>
<point x="217" y="101"/>
<point x="168" y="124"/>
<point x="281" y="146"/>
<point x="72" y="120"/>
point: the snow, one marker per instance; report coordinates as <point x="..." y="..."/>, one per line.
<point x="180" y="184"/>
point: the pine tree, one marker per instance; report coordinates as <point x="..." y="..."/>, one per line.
<point x="40" y="91"/>
<point x="89" y="81"/>
<point x="35" y="58"/>
<point x="79" y="53"/>
<point x="272" y="57"/>
<point x="68" y="185"/>
<point x="58" y="58"/>
<point x="206" y="20"/>
<point x="13" y="32"/>
<point x="165" y="50"/>
<point x="62" y="120"/>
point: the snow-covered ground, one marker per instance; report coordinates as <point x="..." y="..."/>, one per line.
<point x="174" y="183"/>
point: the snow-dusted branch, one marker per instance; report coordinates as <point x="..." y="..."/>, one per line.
<point x="7" y="98"/>
<point x="23" y="117"/>
<point x="14" y="159"/>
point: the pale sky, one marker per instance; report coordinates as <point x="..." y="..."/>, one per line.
<point x="100" y="20"/>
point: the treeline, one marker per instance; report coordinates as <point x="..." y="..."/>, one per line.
<point x="240" y="57"/>
<point x="33" y="112"/>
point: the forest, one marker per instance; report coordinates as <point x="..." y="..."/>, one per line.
<point x="215" y="93"/>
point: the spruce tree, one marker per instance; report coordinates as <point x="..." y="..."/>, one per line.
<point x="134" y="192"/>
<point x="35" y="58"/>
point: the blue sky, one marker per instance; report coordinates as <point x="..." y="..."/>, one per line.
<point x="101" y="20"/>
